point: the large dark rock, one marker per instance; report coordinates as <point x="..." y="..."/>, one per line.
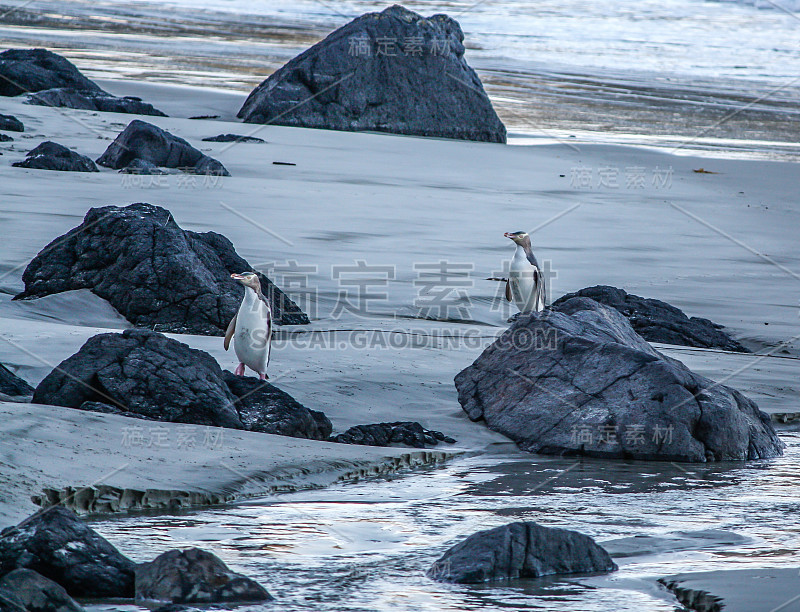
<point x="12" y="385"/>
<point x="392" y="71"/>
<point x="57" y="545"/>
<point x="409" y="433"/>
<point x="142" y="140"/>
<point x="53" y="156"/>
<point x="145" y="373"/>
<point x="154" y="273"/>
<point x="32" y="592"/>
<point x="521" y="550"/>
<point x="148" y="375"/>
<point x="657" y="321"/>
<point x="10" y="123"/>
<point x="29" y="70"/>
<point x="264" y="408"/>
<point x="94" y="101"/>
<point x="578" y="380"/>
<point x="194" y="576"/>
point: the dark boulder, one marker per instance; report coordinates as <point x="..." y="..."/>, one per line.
<point x="57" y="545"/>
<point x="12" y="385"/>
<point x="233" y="138"/>
<point x="392" y="71"/>
<point x="35" y="593"/>
<point x="142" y="140"/>
<point x="10" y="123"/>
<point x="154" y="273"/>
<point x="145" y="373"/>
<point x="657" y="321"/>
<point x="29" y="70"/>
<point x="92" y="100"/>
<point x="264" y="408"/>
<point x="521" y="550"/>
<point x="409" y="433"/>
<point x="6" y="138"/>
<point x="578" y="380"/>
<point x="194" y="576"/>
<point x="53" y="156"/>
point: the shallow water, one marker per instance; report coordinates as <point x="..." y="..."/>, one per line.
<point x="366" y="546"/>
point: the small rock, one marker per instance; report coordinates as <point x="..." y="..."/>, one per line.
<point x="29" y="70"/>
<point x="6" y="138"/>
<point x="92" y="100"/>
<point x="59" y="546"/>
<point x="657" y="321"/>
<point x="520" y="550"/>
<point x="10" y="123"/>
<point x="233" y="138"/>
<point x="35" y="593"/>
<point x="53" y="156"/>
<point x="409" y="433"/>
<point x="12" y="385"/>
<point x="430" y="92"/>
<point x="194" y="576"/>
<point x="148" y="142"/>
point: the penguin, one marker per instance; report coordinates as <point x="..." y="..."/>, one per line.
<point x="525" y="286"/>
<point x="251" y="328"/>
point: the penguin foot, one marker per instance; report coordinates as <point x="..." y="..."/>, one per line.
<point x="239" y="371"/>
<point x="263" y="377"/>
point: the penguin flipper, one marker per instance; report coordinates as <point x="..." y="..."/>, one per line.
<point x="509" y="297"/>
<point x="229" y="331"/>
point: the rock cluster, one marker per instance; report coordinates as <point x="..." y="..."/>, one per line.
<point x="393" y="71"/>
<point x="154" y="273"/>
<point x="409" y="433"/>
<point x="93" y="100"/>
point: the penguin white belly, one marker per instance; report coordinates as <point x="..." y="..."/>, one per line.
<point x="523" y="284"/>
<point x="250" y="337"/>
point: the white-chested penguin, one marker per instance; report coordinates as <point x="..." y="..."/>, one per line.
<point x="525" y="279"/>
<point x="251" y="327"/>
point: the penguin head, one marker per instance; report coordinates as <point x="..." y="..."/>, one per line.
<point x="248" y="279"/>
<point x="518" y="237"/>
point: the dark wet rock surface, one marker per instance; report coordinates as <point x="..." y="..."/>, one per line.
<point x="264" y="408"/>
<point x="657" y="321"/>
<point x="521" y="550"/>
<point x="233" y="138"/>
<point x="92" y="100"/>
<point x="368" y="76"/>
<point x="13" y="385"/>
<point x="24" y="590"/>
<point x="145" y="373"/>
<point x="408" y="433"/>
<point x="6" y="138"/>
<point x="59" y="546"/>
<point x="145" y="141"/>
<point x="194" y="576"/>
<point x="154" y="273"/>
<point x="31" y="70"/>
<point x="10" y="123"/>
<point x="53" y="156"/>
<point x="578" y="380"/>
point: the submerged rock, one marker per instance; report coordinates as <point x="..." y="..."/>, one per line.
<point x="154" y="273"/>
<point x="142" y="140"/>
<point x="657" y="321"/>
<point x="145" y="373"/>
<point x="10" y="123"/>
<point x="194" y="576"/>
<point x="233" y="138"/>
<point x="521" y="550"/>
<point x="32" y="592"/>
<point x="30" y="70"/>
<point x="578" y="380"/>
<point x="59" y="546"/>
<point x="12" y="385"/>
<point x="392" y="71"/>
<point x="53" y="156"/>
<point x="93" y="100"/>
<point x="409" y="433"/>
<point x="264" y="408"/>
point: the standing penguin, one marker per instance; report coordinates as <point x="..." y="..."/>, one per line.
<point x="525" y="280"/>
<point x="251" y="327"/>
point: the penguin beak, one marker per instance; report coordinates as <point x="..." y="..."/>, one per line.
<point x="238" y="277"/>
<point x="509" y="235"/>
